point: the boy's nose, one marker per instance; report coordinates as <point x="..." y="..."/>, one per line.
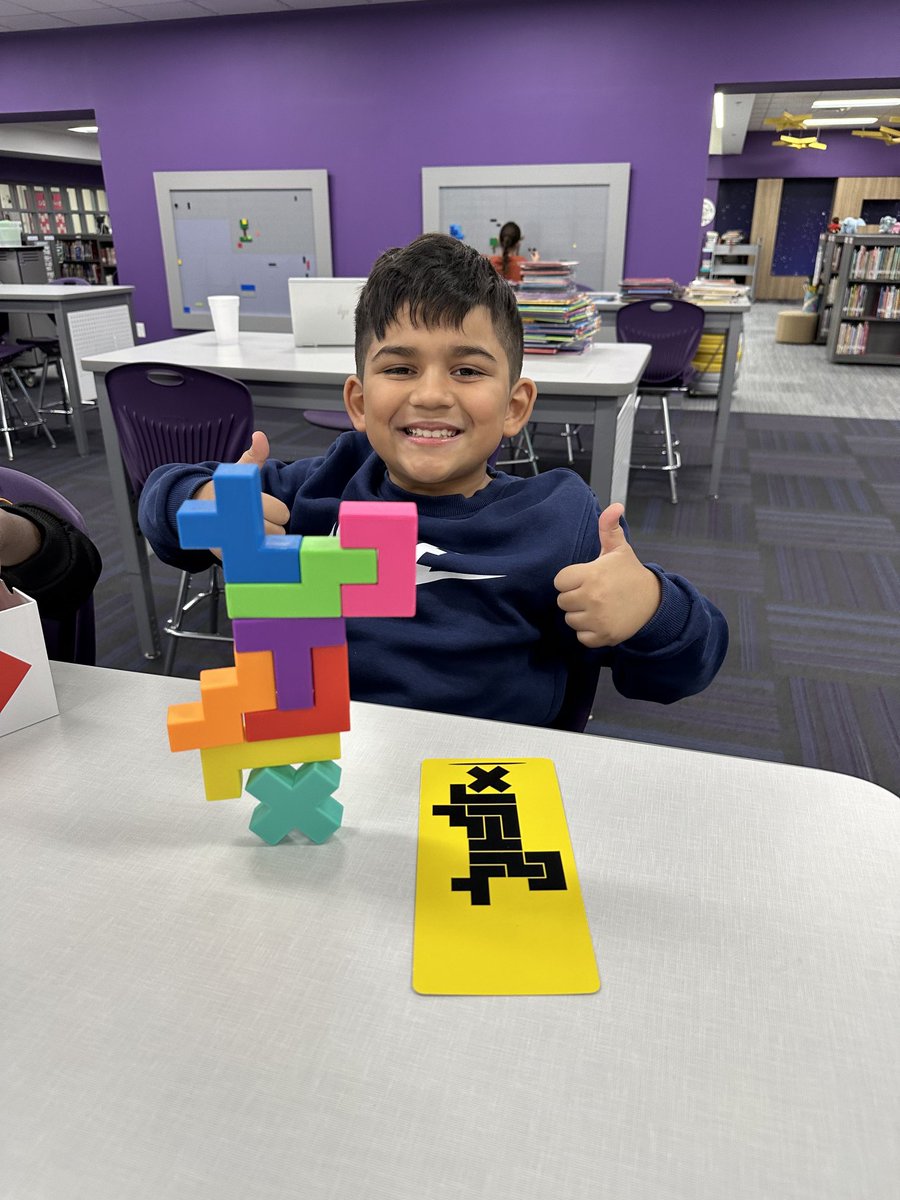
<point x="432" y="390"/>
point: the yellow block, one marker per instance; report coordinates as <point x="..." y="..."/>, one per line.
<point x="498" y="904"/>
<point x="222" y="765"/>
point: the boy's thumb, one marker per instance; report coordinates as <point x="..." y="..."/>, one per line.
<point x="612" y="536"/>
<point x="259" y="450"/>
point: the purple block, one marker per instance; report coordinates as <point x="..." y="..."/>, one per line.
<point x="291" y="640"/>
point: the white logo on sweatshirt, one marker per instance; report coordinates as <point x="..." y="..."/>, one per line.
<point x="426" y="574"/>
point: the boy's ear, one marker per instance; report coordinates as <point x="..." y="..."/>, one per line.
<point x="521" y="402"/>
<point x="354" y="403"/>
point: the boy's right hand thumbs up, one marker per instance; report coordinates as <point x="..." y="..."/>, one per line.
<point x="276" y="513"/>
<point x="259" y="449"/>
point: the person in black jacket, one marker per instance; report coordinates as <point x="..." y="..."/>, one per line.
<point x="47" y="558"/>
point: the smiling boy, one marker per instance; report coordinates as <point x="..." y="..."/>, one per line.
<point x="518" y="580"/>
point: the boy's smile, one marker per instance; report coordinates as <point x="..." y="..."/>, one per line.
<point x="435" y="403"/>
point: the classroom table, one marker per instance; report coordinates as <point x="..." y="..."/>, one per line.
<point x="721" y="317"/>
<point x="88" y="320"/>
<point x="595" y="388"/>
<point x="188" y="1012"/>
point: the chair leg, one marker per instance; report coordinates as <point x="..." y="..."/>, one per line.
<point x="529" y="446"/>
<point x="38" y="422"/>
<point x="176" y="621"/>
<point x="5" y="425"/>
<point x="672" y="463"/>
<point x="215" y="593"/>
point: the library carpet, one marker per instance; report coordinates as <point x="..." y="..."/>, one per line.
<point x="801" y="552"/>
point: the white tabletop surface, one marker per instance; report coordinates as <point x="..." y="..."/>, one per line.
<point x="602" y="369"/>
<point x="189" y="1014"/>
<point x="59" y="291"/>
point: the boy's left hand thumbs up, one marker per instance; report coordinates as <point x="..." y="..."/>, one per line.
<point x="608" y="600"/>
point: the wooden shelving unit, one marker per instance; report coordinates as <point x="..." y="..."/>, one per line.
<point x="865" y="327"/>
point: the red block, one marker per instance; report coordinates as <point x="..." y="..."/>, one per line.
<point x="329" y="714"/>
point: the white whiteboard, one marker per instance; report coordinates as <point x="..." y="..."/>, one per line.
<point x="570" y="212"/>
<point x="241" y="233"/>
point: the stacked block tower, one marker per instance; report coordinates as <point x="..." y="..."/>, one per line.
<point x="286" y="700"/>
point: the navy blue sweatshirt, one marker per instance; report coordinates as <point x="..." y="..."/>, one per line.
<point x="488" y="638"/>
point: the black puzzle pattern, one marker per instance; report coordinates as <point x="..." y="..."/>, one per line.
<point x="492" y="827"/>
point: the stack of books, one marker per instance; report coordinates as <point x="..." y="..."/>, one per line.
<point x="556" y="317"/>
<point x="547" y="276"/>
<point x="648" y="289"/>
<point x="710" y="291"/>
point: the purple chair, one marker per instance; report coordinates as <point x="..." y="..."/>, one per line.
<point x="673" y="329"/>
<point x="72" y="639"/>
<point x="48" y="345"/>
<point x="171" y="414"/>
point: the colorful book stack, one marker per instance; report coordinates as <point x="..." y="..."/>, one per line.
<point x="556" y="317"/>
<point x="648" y="289"/>
<point x="286" y="700"/>
<point x="853" y="339"/>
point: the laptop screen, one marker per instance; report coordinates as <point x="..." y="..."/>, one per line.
<point x="322" y="310"/>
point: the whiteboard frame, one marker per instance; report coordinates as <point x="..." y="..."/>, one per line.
<point x="166" y="182"/>
<point x="615" y="176"/>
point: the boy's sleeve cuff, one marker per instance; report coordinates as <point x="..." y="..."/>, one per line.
<point x="182" y="490"/>
<point x="668" y="622"/>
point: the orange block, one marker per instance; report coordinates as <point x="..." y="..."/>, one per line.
<point x="225" y="694"/>
<point x="329" y="714"/>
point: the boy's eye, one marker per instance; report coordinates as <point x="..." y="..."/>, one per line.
<point x="468" y="372"/>
<point x="399" y="369"/>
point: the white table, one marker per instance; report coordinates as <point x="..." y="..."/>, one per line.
<point x="190" y="1013"/>
<point x="88" y="320"/>
<point x="596" y="388"/>
<point x="726" y="318"/>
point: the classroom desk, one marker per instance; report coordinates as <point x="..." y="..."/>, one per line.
<point x="596" y="388"/>
<point x="720" y="318"/>
<point x="191" y="1013"/>
<point x="88" y="320"/>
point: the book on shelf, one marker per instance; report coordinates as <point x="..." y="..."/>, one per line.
<point x="875" y="262"/>
<point x="852" y="339"/>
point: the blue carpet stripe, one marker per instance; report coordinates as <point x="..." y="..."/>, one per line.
<point x="828" y="530"/>
<point x="834" y="466"/>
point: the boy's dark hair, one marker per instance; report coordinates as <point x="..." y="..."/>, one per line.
<point x="441" y="280"/>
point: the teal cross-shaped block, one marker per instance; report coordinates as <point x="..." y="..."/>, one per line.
<point x="234" y="522"/>
<point x="295" y="799"/>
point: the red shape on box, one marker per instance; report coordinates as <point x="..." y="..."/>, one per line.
<point x="12" y="672"/>
<point x="329" y="714"/>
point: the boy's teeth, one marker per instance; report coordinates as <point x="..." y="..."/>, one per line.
<point x="431" y="433"/>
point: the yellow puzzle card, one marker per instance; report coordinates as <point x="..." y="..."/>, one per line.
<point x="498" y="904"/>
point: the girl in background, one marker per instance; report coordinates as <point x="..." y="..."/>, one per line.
<point x="509" y="261"/>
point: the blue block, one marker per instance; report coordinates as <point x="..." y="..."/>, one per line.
<point x="234" y="523"/>
<point x="295" y="799"/>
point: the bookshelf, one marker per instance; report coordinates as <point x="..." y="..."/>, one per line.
<point x="72" y="221"/>
<point x="737" y="262"/>
<point x="865" y="327"/>
<point x="825" y="278"/>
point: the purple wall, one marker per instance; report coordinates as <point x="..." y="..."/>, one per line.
<point x="375" y="93"/>
<point x="846" y="155"/>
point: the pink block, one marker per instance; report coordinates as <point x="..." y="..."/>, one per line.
<point x="390" y="528"/>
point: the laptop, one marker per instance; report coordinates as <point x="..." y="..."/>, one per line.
<point x="322" y="310"/>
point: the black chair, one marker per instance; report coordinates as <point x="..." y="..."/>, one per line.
<point x="673" y="328"/>
<point x="48" y="345"/>
<point x="15" y="401"/>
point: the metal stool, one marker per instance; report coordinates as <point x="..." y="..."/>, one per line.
<point x="521" y="450"/>
<point x="11" y="418"/>
<point x="49" y="348"/>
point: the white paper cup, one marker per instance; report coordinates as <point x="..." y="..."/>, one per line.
<point x="224" y="313"/>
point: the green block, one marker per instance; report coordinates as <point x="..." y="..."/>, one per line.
<point x="324" y="566"/>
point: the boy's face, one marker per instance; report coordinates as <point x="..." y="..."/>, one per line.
<point x="435" y="403"/>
